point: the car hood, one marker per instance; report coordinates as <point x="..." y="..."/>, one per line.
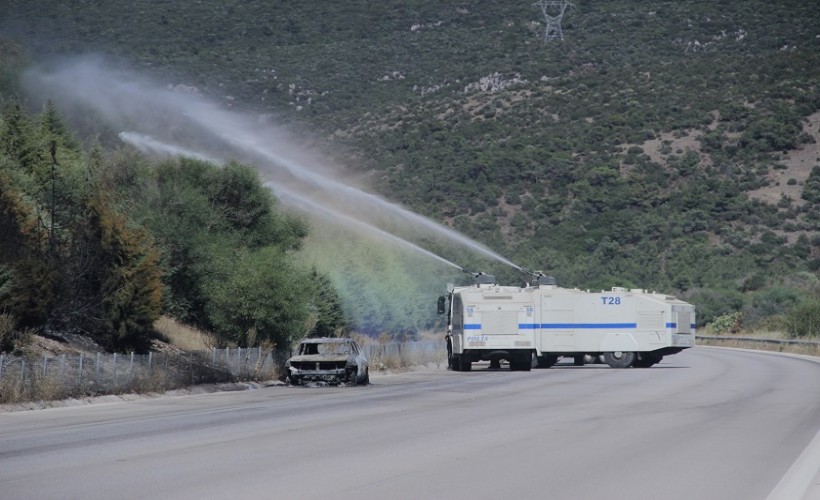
<point x="318" y="357"/>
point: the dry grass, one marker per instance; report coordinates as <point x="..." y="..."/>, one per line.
<point x="47" y="375"/>
<point x="26" y="379"/>
<point x="11" y="339"/>
<point x="35" y="388"/>
<point x="389" y="354"/>
<point x="52" y="388"/>
<point x="184" y="337"/>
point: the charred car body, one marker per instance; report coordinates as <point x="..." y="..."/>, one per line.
<point x="333" y="360"/>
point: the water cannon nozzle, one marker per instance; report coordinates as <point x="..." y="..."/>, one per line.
<point x="540" y="277"/>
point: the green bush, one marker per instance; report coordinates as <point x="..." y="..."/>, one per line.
<point x="726" y="324"/>
<point x="714" y="303"/>
<point x="811" y="190"/>
<point x="803" y="320"/>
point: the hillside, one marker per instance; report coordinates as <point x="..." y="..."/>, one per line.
<point x="665" y="145"/>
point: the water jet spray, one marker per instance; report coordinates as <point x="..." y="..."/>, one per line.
<point x="150" y="145"/>
<point x="161" y="120"/>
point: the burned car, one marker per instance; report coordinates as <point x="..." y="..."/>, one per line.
<point x="333" y="360"/>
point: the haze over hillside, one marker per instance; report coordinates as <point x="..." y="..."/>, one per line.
<point x="666" y="145"/>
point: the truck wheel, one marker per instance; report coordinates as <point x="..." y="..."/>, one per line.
<point x="521" y="364"/>
<point x="619" y="359"/>
<point x="647" y="360"/>
<point x="547" y="361"/>
<point x="453" y="362"/>
<point x="578" y="360"/>
<point x="464" y="364"/>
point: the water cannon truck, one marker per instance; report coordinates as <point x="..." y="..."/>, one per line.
<point x="539" y="323"/>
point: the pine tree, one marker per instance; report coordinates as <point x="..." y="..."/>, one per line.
<point x="53" y="128"/>
<point x="26" y="277"/>
<point x="331" y="319"/>
<point x="18" y="138"/>
<point x="113" y="280"/>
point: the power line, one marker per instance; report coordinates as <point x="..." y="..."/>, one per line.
<point x="553" y="11"/>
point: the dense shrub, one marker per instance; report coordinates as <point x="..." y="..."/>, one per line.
<point x="804" y="319"/>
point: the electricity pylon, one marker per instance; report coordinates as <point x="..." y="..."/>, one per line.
<point x="549" y="8"/>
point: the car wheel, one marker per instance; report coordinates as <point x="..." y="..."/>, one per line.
<point x="366" y="376"/>
<point x="353" y="378"/>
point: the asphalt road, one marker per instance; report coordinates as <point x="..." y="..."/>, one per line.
<point x="705" y="424"/>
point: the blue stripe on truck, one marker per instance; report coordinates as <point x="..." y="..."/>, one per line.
<point x="586" y="326"/>
<point x="572" y="326"/>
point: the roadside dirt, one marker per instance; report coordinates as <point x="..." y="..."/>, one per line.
<point x="56" y="344"/>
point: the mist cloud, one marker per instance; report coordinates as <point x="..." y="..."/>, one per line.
<point x="170" y="120"/>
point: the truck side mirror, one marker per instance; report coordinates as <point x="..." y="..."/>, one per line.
<point x="442" y="304"/>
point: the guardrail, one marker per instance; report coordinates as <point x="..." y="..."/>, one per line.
<point x="808" y="343"/>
